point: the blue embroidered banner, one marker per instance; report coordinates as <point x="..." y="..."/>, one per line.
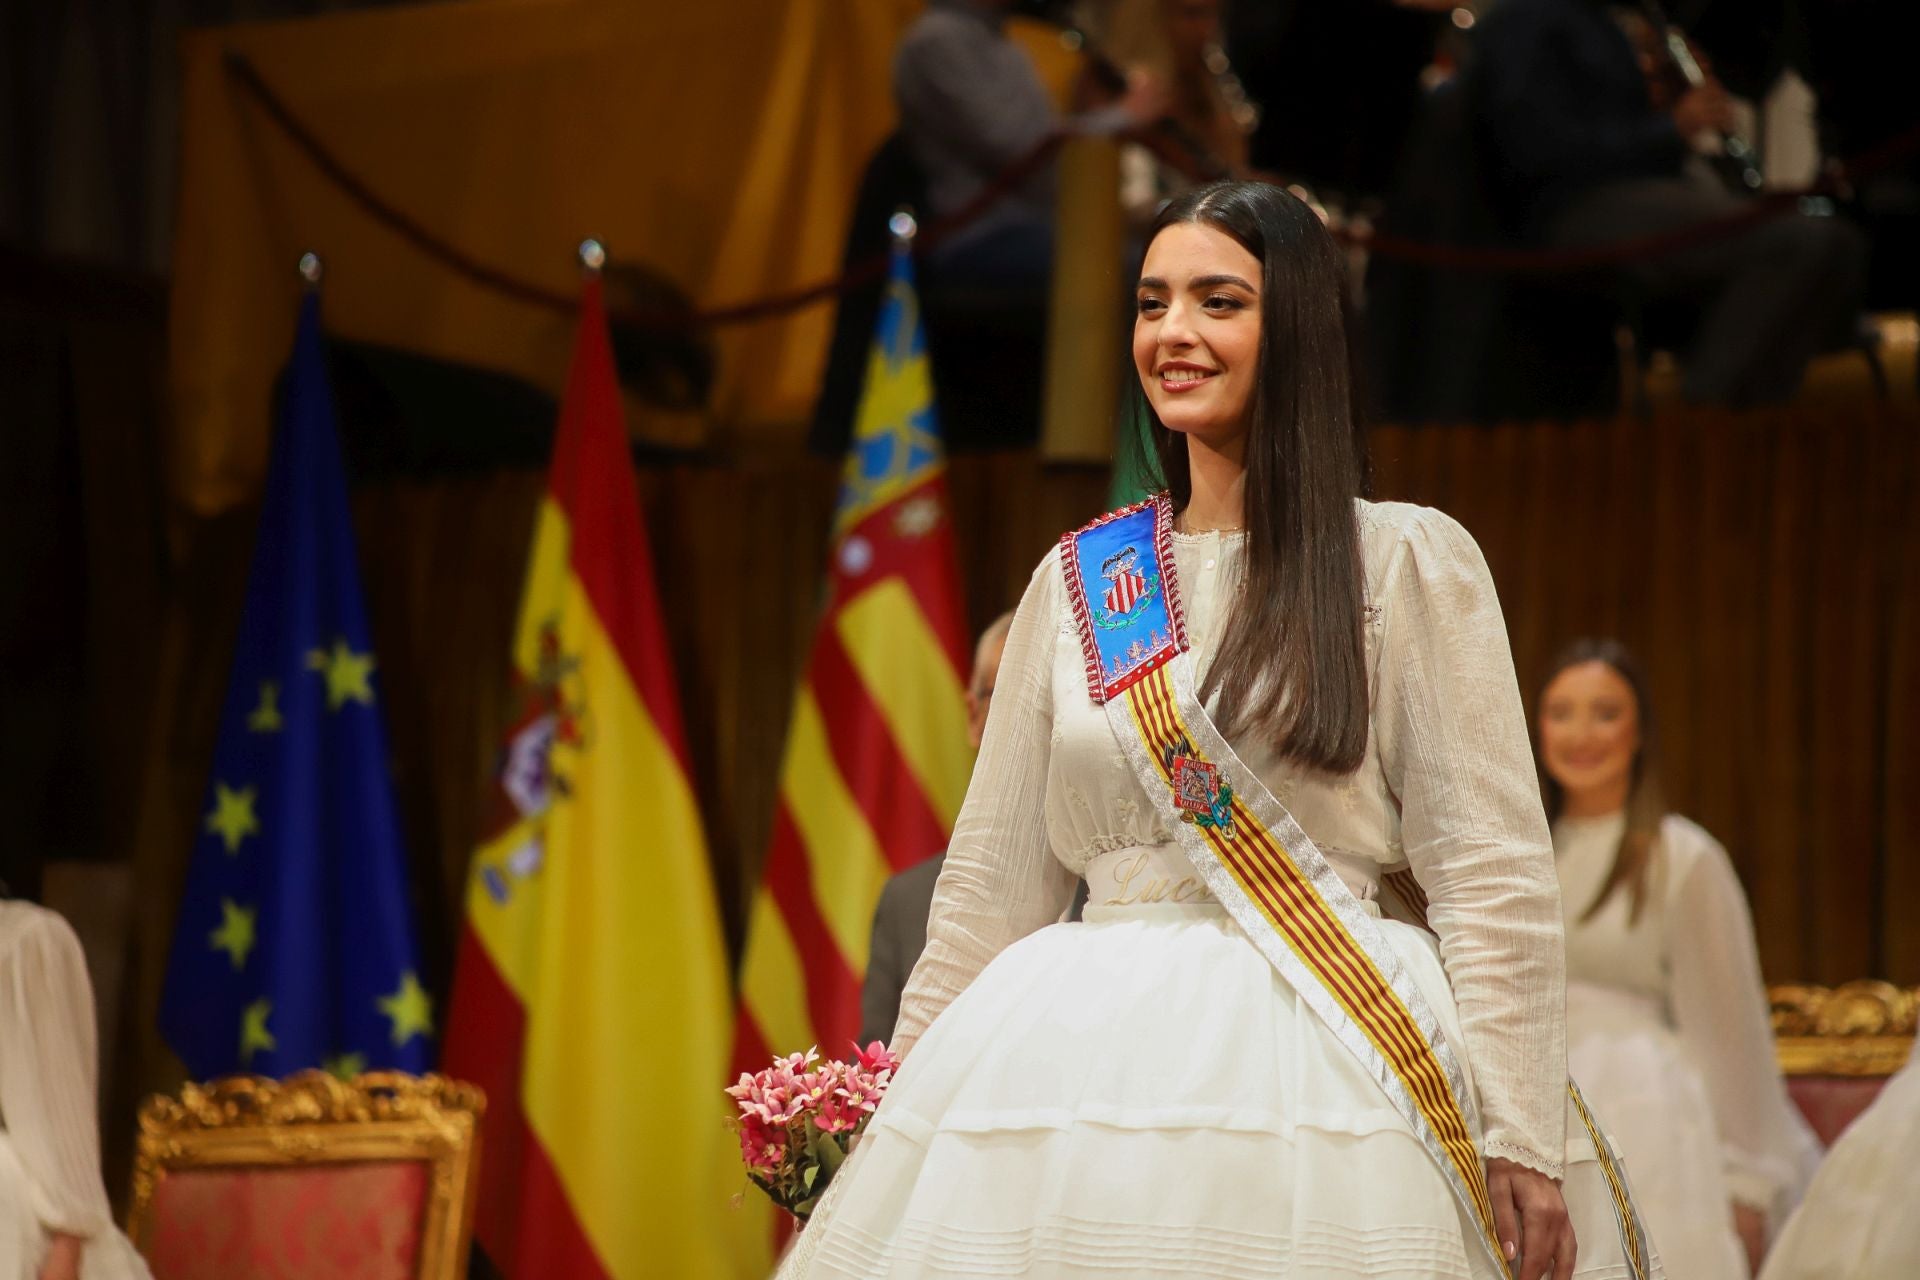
<point x="1125" y="601"/>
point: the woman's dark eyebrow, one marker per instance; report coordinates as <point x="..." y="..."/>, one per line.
<point x="1198" y="282"/>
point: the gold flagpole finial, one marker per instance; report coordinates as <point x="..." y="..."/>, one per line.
<point x="593" y="254"/>
<point x="311" y="269"/>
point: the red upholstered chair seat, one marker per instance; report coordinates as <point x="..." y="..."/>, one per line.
<point x="340" y="1221"/>
<point x="308" y="1178"/>
<point x="1830" y="1103"/>
<point x="1837" y="1046"/>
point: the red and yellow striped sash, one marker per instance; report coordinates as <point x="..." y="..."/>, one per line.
<point x="1633" y="1236"/>
<point x="1267" y="876"/>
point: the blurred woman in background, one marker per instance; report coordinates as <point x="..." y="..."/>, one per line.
<point x="1667" y="1024"/>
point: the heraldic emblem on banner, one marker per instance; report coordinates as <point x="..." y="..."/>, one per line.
<point x="1124" y="602"/>
<point x="1124" y="561"/>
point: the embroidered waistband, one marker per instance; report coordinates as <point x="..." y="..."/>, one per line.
<point x="1161" y="875"/>
<point x="1145" y="875"/>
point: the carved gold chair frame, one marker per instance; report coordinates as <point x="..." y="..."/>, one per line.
<point x="1856" y="1029"/>
<point x="314" y="1119"/>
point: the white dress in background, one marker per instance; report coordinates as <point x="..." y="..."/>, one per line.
<point x="49" y="1136"/>
<point x="1140" y="1094"/>
<point x="1669" y="1037"/>
<point x="1861" y="1216"/>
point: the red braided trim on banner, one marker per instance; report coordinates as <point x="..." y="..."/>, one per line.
<point x="1169" y="580"/>
<point x="1082" y="617"/>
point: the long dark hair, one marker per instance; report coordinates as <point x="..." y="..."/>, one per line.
<point x="1646" y="800"/>
<point x="1291" y="665"/>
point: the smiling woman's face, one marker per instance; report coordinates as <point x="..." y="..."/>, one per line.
<point x="1589" y="729"/>
<point x="1196" y="332"/>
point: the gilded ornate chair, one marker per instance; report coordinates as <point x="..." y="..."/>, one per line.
<point x="1837" y="1046"/>
<point x="309" y="1178"/>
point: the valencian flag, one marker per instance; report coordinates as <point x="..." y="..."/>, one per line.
<point x="591" y="999"/>
<point x="294" y="946"/>
<point x="877" y="757"/>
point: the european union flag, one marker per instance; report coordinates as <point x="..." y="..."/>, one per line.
<point x="294" y="946"/>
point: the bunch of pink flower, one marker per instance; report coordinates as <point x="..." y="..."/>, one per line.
<point x="799" y="1116"/>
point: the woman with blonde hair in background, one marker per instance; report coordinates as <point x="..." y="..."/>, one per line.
<point x="1667" y="1023"/>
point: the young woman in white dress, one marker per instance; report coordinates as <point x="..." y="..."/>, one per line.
<point x="54" y="1219"/>
<point x="1141" y="1094"/>
<point x="1667" y="1023"/>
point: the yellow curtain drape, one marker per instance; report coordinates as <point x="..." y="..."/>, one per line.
<point x="720" y="145"/>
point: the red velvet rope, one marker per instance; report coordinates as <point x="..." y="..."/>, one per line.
<point x="1474" y="258"/>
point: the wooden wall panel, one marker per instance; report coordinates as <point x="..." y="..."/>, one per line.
<point x="1764" y="567"/>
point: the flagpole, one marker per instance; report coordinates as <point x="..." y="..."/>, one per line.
<point x="903" y="226"/>
<point x="311" y="269"/>
<point x="593" y="255"/>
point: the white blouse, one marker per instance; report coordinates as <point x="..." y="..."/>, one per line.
<point x="1693" y="954"/>
<point x="1447" y="785"/>
<point x="48" y="1108"/>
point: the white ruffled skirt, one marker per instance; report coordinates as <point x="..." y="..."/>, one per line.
<point x="1141" y="1095"/>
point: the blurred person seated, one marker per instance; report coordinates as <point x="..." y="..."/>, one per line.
<point x="1203" y="137"/>
<point x="1857" y="1219"/>
<point x="971" y="104"/>
<point x="55" y="1223"/>
<point x="1668" y="1029"/>
<point x="900" y="919"/>
<point x="1581" y="154"/>
<point x="1855" y="56"/>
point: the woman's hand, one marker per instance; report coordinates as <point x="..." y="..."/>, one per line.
<point x="1750" y="1224"/>
<point x="1530" y="1217"/>
<point x="63" y="1259"/>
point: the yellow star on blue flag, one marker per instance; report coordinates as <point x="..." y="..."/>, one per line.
<point x="348" y="674"/>
<point x="254" y="1036"/>
<point x="233" y="819"/>
<point x="410" y="1009"/>
<point x="235" y="934"/>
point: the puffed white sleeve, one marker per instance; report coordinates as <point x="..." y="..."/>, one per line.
<point x="48" y="1069"/>
<point x="1000" y="881"/>
<point x="1719" y="1004"/>
<point x="1453" y="744"/>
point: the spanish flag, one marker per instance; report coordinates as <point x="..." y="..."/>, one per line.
<point x="591" y="996"/>
<point x="877" y="757"/>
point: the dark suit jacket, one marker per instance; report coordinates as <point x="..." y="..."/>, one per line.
<point x="899" y="936"/>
